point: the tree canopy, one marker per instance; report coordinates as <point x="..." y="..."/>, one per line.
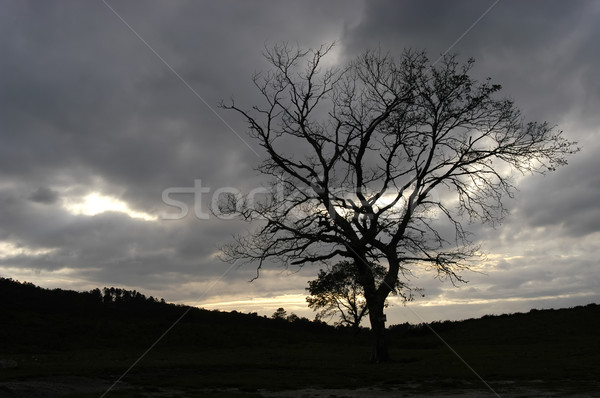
<point x="338" y="292"/>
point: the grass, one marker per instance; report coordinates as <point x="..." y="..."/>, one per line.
<point x="247" y="370"/>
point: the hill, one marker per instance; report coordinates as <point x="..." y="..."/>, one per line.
<point x="99" y="335"/>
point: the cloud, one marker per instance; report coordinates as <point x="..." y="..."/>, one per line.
<point x="88" y="109"/>
<point x="44" y="195"/>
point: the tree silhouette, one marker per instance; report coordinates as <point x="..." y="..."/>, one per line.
<point x="338" y="291"/>
<point x="383" y="161"/>
<point x="280" y="313"/>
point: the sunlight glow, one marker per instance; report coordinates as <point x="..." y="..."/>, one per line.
<point x="95" y="203"/>
<point x="9" y="249"/>
<point x="386" y="200"/>
<point x="470" y="301"/>
<point x="291" y="302"/>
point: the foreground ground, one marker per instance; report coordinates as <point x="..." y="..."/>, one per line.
<point x="86" y="387"/>
<point x="297" y="370"/>
<point x="57" y="344"/>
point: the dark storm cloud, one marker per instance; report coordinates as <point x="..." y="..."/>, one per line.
<point x="85" y="96"/>
<point x="87" y="107"/>
<point x="44" y="195"/>
<point x="542" y="52"/>
<point x="571" y="205"/>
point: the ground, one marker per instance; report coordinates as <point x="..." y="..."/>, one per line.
<point x="72" y="387"/>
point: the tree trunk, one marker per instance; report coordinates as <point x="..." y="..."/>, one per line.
<point x="380" y="348"/>
<point x="375" y="302"/>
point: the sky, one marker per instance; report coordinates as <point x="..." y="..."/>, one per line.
<point x="108" y="106"/>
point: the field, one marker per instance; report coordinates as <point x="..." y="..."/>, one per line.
<point x="68" y="344"/>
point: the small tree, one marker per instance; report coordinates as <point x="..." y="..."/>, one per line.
<point x="383" y="161"/>
<point x="280" y="313"/>
<point x="292" y="317"/>
<point x="338" y="291"/>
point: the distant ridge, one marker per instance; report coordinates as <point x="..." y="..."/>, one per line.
<point x="16" y="295"/>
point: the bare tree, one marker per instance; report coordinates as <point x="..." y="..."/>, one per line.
<point x="383" y="161"/>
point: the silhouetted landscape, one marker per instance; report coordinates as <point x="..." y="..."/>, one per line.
<point x="67" y="343"/>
